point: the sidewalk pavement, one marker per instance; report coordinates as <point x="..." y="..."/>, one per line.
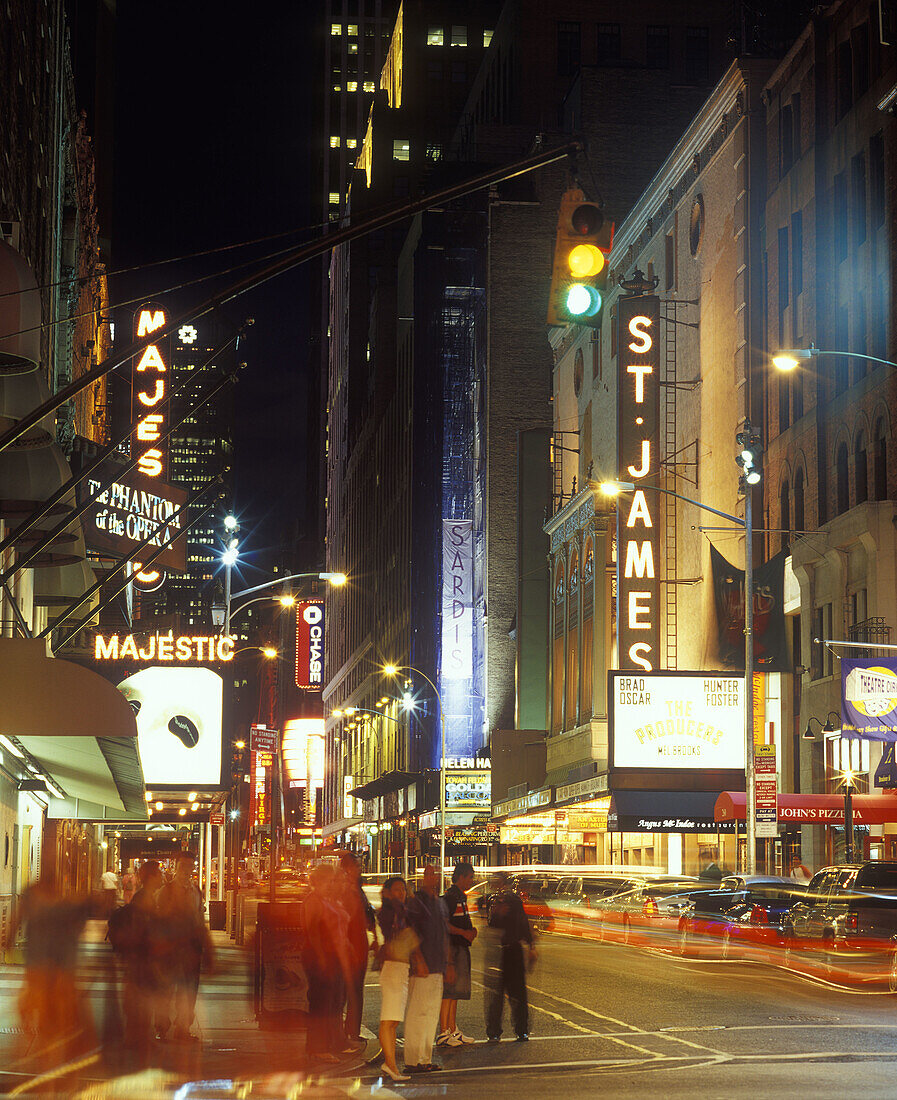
<point x="231" y="1043"/>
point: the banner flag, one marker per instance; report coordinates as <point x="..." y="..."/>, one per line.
<point x="869" y="698"/>
<point x="770" y="640"/>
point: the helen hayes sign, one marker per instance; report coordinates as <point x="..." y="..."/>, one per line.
<point x="680" y="721"/>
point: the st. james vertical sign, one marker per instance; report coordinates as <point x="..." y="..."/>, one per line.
<point x="638" y="458"/>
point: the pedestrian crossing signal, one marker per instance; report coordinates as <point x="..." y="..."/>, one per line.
<point x="584" y="239"/>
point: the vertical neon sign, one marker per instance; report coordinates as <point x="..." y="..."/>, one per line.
<point x="149" y="412"/>
<point x="638" y="423"/>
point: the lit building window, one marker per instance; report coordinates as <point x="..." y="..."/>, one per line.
<point x="352" y="29"/>
<point x="334" y="198"/>
<point x="352" y="86"/>
<point x="337" y="87"/>
<point x="435" y="36"/>
<point x="487" y="38"/>
<point x="401" y="149"/>
<point x="434" y="152"/>
<point x="353" y="47"/>
<point x="334" y="141"/>
<point x="336" y="29"/>
<point x="459" y="35"/>
<point x="351" y="143"/>
<point x="369" y="85"/>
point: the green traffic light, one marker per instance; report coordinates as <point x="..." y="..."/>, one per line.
<point x="582" y="300"/>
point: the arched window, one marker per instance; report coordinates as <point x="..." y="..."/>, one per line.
<point x="785" y="513"/>
<point x="843" y="486"/>
<point x="880" y="462"/>
<point x="798" y="501"/>
<point x="860" y="469"/>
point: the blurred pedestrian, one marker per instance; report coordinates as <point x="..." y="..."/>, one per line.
<point x="400" y="943"/>
<point x="134" y="935"/>
<point x="129" y="884"/>
<point x="51" y="1007"/>
<point x="110" y="885"/>
<point x="505" y="969"/>
<point x="428" y="917"/>
<point x="325" y="959"/>
<point x="461" y="935"/>
<point x="184" y="940"/>
<point x="361" y="921"/>
<point x="710" y="869"/>
<point x="799" y="872"/>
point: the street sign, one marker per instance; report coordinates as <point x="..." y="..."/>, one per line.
<point x="765" y="787"/>
<point x="216" y="819"/>
<point x="262" y="739"/>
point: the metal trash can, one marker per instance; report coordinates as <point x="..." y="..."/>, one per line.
<point x="217" y="916"/>
<point x="281" y="984"/>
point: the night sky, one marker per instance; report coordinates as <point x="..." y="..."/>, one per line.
<point x="212" y="147"/>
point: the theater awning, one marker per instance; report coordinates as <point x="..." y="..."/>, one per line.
<point x="664" y="812"/>
<point x="383" y="784"/>
<point x="823" y="809"/>
<point x="77" y="726"/>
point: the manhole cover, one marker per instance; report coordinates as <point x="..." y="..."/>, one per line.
<point x="808" y="1019"/>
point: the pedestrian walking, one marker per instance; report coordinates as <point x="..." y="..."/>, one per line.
<point x="400" y="944"/>
<point x="325" y="959"/>
<point x="428" y="917"/>
<point x="461" y="935"/>
<point x="508" y="930"/>
<point x="110" y="885"/>
<point x="361" y="921"/>
<point x="134" y="935"/>
<point x="799" y="872"/>
<point x="184" y="940"/>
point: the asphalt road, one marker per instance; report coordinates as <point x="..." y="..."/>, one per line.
<point x="606" y="1019"/>
<point x="628" y="1020"/>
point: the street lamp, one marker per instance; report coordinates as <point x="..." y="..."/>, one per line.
<point x="614" y="488"/>
<point x="335" y="580"/>
<point x="392" y="671"/>
<point x="832" y="725"/>
<point x="788" y="359"/>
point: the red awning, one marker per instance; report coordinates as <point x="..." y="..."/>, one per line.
<point x="825" y="809"/>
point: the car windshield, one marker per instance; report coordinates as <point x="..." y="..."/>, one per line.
<point x="877" y="876"/>
<point x="536" y="886"/>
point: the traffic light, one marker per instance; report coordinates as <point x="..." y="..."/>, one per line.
<point x="584" y="239"/>
<point x="749" y="457"/>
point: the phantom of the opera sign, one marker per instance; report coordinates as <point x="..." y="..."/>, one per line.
<point x="638" y="460"/>
<point x="129" y="511"/>
<point x="679" y="721"/>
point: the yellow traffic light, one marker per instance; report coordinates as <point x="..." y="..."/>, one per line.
<point x="579" y="272"/>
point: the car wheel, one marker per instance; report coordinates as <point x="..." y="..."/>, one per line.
<point x="627" y="930"/>
<point x="726" y="946"/>
<point x="682" y="945"/>
<point x="892" y="973"/>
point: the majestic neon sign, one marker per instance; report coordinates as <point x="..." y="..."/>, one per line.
<point x="164" y="648"/>
<point x="638" y="604"/>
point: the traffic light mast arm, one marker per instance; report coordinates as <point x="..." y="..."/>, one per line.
<point x="286" y="263"/>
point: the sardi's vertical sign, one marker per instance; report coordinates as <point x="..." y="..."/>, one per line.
<point x="310" y="645"/>
<point x="457" y="599"/>
<point x="638" y="457"/>
<point x="149" y="412"/>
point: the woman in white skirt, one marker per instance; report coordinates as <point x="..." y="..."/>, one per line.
<point x="400" y="941"/>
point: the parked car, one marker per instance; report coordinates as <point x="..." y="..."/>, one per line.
<point x="746" y="912"/>
<point x="849" y="913"/>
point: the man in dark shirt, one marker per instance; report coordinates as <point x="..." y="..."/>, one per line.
<point x="461" y="935"/>
<point x="361" y="921"/>
<point x="428" y="916"/>
<point x="508" y="930"/>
